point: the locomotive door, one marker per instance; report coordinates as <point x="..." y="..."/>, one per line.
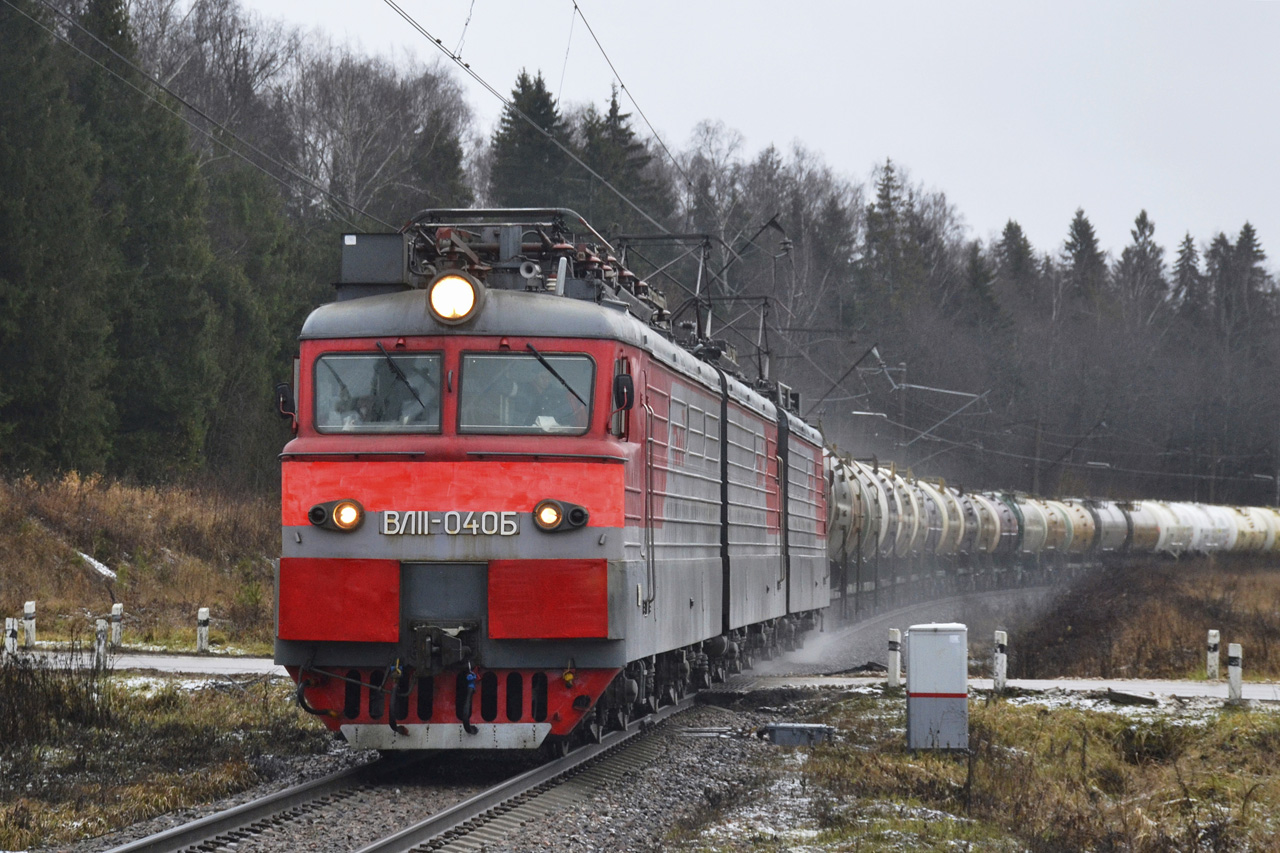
<point x="650" y="565"/>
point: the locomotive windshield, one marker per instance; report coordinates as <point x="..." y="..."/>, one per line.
<point x="517" y="393"/>
<point x="373" y="393"/>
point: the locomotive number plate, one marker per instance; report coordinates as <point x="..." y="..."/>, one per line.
<point x="418" y="522"/>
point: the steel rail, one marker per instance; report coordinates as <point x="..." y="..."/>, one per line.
<point x="469" y="811"/>
<point x="241" y="819"/>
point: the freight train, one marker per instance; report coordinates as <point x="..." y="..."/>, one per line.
<point x="518" y="511"/>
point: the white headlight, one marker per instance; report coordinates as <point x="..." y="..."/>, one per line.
<point x="453" y="297"/>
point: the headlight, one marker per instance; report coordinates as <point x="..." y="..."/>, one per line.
<point x="552" y="515"/>
<point x="344" y="515"/>
<point x="548" y="514"/>
<point x="347" y="515"/>
<point x="454" y="296"/>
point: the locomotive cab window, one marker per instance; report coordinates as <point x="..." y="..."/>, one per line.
<point x="377" y="392"/>
<point x="518" y="393"/>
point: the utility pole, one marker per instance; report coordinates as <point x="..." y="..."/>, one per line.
<point x="1213" y="471"/>
<point x="902" y="407"/>
<point x="1035" y="465"/>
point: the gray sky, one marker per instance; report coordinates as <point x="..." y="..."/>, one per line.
<point x="1023" y="110"/>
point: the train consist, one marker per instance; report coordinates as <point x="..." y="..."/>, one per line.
<point x="889" y="534"/>
<point x="518" y="510"/>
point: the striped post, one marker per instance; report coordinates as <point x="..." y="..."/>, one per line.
<point x="895" y="658"/>
<point x="10" y="635"/>
<point x="1000" y="665"/>
<point x="1235" y="676"/>
<point x="117" y="624"/>
<point x="29" y="625"/>
<point x="202" y="630"/>
<point x="100" y="645"/>
<point x="1211" y="662"/>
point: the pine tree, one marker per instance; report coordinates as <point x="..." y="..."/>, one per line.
<point x="152" y="200"/>
<point x="610" y="147"/>
<point x="54" y="410"/>
<point x="1139" y="276"/>
<point x="1189" y="293"/>
<point x="1016" y="262"/>
<point x="1086" y="267"/>
<point x="529" y="169"/>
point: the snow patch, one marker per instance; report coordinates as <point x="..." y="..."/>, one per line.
<point x="98" y="567"/>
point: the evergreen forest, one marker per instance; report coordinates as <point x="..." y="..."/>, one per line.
<point x="174" y="178"/>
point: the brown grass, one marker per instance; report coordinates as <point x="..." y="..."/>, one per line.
<point x="174" y="549"/>
<point x="1152" y="620"/>
<point x="1060" y="780"/>
<point x="83" y="753"/>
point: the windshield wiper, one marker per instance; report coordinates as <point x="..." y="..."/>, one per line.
<point x="548" y="366"/>
<point x="399" y="374"/>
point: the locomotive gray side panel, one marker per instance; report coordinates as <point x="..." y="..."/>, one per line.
<point x="755" y="543"/>
<point x="674" y="547"/>
<point x="806" y="517"/>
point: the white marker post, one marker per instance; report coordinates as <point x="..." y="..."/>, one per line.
<point x="1211" y="662"/>
<point x="1000" y="665"/>
<point x="895" y="658"/>
<point x="202" y="630"/>
<point x="100" y="645"/>
<point x="117" y="625"/>
<point x="29" y="625"/>
<point x="1235" y="689"/>
<point x="10" y="635"/>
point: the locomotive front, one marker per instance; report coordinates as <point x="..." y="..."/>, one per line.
<point x="454" y="499"/>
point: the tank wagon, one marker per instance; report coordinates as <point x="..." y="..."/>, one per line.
<point x="516" y="511"/>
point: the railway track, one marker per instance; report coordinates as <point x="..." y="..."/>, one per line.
<point x="467" y="825"/>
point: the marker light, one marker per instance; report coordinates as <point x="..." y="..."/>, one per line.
<point x="454" y="296"/>
<point x="347" y="515"/>
<point x="548" y="514"/>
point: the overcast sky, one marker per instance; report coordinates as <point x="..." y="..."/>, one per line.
<point x="1023" y="110"/>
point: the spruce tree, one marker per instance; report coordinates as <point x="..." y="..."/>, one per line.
<point x="54" y="409"/>
<point x="610" y="147"/>
<point x="528" y="168"/>
<point x="1189" y="291"/>
<point x="152" y="200"/>
<point x="1086" y="267"/>
<point x="1139" y="275"/>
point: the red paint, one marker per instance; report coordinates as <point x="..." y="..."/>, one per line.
<point x="938" y="695"/>
<point x="325" y="694"/>
<point x="499" y="486"/>
<point x="339" y="600"/>
<point x="548" y="599"/>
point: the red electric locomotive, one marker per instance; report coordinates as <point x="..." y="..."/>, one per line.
<point x="515" y="511"/>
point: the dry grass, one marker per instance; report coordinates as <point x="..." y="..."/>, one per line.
<point x="1151" y="621"/>
<point x="1060" y="780"/>
<point x="174" y="549"/>
<point x="84" y="754"/>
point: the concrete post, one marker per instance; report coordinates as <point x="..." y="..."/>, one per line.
<point x="10" y="635"/>
<point x="894" y="678"/>
<point x="29" y="625"/>
<point x="100" y="645"/>
<point x="1211" y="662"/>
<point x="202" y="630"/>
<point x="117" y="624"/>
<point x="1235" y="688"/>
<point x="1000" y="665"/>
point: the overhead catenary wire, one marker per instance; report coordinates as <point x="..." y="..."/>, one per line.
<point x="960" y="445"/>
<point x="521" y="114"/>
<point x="631" y="97"/>
<point x="199" y="112"/>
